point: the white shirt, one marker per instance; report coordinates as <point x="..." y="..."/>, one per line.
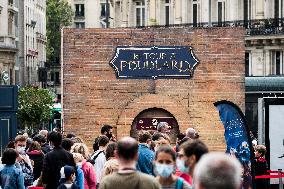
<point x="99" y="164"/>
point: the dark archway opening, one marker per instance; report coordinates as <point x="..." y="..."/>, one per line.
<point x="148" y="120"/>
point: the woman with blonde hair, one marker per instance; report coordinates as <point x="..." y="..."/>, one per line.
<point x="87" y="168"/>
<point x="81" y="148"/>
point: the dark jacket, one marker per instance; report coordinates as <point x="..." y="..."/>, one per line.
<point x="45" y="148"/>
<point x="62" y="186"/>
<point x="37" y="156"/>
<point x="261" y="167"/>
<point x="52" y="163"/>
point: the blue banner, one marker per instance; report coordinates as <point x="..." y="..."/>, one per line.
<point x="154" y="62"/>
<point x="237" y="137"/>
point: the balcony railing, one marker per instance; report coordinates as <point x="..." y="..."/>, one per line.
<point x="253" y="27"/>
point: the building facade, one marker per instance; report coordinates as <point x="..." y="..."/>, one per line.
<point x="32" y="41"/>
<point x="8" y="40"/>
<point x="262" y="19"/>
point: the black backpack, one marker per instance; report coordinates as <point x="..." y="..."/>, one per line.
<point x="93" y="160"/>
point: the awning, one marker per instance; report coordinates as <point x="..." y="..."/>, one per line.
<point x="264" y="84"/>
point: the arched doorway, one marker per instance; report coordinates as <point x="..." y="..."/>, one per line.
<point x="148" y="120"/>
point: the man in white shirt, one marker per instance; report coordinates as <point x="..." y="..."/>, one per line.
<point x="99" y="158"/>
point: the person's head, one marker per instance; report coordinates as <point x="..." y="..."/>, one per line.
<point x="70" y="135"/>
<point x="40" y="139"/>
<point x="43" y="133"/>
<point x="106" y="130"/>
<point x="66" y="144"/>
<point x="20" y="143"/>
<point x="82" y="149"/>
<point x="103" y="141"/>
<point x="145" y="137"/>
<point x="11" y="144"/>
<point x="9" y="156"/>
<point x="55" y="138"/>
<point x="163" y="127"/>
<point x="157" y="136"/>
<point x="34" y="146"/>
<point x="165" y="159"/>
<point x="127" y="149"/>
<point x="110" y="150"/>
<point x="67" y="173"/>
<point x="260" y="151"/>
<point x="217" y="171"/>
<point x="191" y="133"/>
<point x="77" y="139"/>
<point x="162" y="141"/>
<point x="78" y="158"/>
<point x="189" y="154"/>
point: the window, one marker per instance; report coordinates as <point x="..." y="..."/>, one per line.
<point x="276" y="64"/>
<point x="10" y="23"/>
<point x="140" y="13"/>
<point x="276" y="9"/>
<point x="103" y="10"/>
<point x="247" y="10"/>
<point x="80" y="24"/>
<point x="194" y="13"/>
<point x="247" y="64"/>
<point x="57" y="79"/>
<point x="167" y="12"/>
<point x="221" y="13"/>
<point x="80" y="10"/>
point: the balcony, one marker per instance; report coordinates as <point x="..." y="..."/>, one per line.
<point x="32" y="53"/>
<point x="8" y="43"/>
<point x="41" y="37"/>
<point x="253" y="27"/>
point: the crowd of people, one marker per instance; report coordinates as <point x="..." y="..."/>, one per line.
<point x="49" y="160"/>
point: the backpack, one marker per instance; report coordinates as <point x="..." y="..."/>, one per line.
<point x="179" y="184"/>
<point x="93" y="160"/>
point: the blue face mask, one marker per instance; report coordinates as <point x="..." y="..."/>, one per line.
<point x="181" y="166"/>
<point x="164" y="170"/>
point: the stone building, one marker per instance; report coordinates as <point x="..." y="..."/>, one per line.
<point x="8" y="40"/>
<point x="32" y="40"/>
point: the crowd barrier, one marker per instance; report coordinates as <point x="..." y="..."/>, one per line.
<point x="272" y="175"/>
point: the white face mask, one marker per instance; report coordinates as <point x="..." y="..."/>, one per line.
<point x="21" y="149"/>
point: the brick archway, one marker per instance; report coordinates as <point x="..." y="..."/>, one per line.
<point x="151" y="101"/>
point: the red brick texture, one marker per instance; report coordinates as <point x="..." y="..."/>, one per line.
<point x="92" y="95"/>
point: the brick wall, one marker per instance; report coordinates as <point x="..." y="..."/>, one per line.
<point x="92" y="95"/>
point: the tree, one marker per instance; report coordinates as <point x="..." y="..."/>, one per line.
<point x="58" y="14"/>
<point x="34" y="106"/>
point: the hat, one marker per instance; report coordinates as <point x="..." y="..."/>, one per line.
<point x="66" y="171"/>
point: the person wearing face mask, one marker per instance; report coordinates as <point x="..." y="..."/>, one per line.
<point x="23" y="161"/>
<point x="145" y="154"/>
<point x="165" y="163"/>
<point x="189" y="154"/>
<point x="78" y="158"/>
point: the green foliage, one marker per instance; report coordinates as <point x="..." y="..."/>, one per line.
<point x="34" y="105"/>
<point x="58" y="14"/>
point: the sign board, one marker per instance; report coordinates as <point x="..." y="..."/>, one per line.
<point x="152" y="123"/>
<point x="154" y="62"/>
<point x="5" y="76"/>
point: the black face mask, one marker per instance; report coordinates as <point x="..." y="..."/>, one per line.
<point x="109" y="135"/>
